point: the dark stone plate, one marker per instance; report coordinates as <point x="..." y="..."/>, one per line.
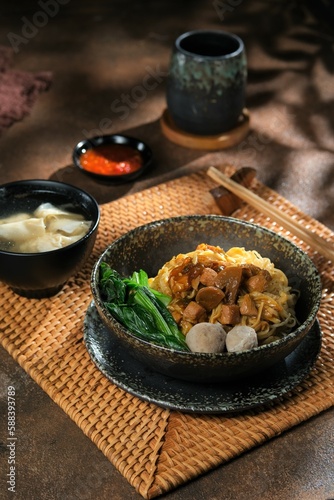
<point x="113" y="360"/>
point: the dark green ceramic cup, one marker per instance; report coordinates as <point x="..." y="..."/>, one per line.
<point x="206" y="82"/>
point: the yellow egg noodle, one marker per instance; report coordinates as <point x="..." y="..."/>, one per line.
<point x="270" y="299"/>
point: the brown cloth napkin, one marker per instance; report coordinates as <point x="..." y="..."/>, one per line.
<point x="18" y="90"/>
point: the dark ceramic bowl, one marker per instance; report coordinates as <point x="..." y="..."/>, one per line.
<point x="149" y="247"/>
<point x="43" y="274"/>
<point x="122" y="140"/>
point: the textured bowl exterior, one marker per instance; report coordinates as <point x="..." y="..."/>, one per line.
<point x="37" y="275"/>
<point x="148" y="247"/>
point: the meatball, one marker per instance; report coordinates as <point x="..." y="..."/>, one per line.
<point x="206" y="337"/>
<point x="241" y="338"/>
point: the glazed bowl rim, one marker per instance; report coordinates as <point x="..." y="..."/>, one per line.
<point x="51" y="183"/>
<point x="224" y="355"/>
<point x="187" y="34"/>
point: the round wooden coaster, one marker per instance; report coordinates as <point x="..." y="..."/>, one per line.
<point x="209" y="142"/>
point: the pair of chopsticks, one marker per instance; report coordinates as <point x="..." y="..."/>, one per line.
<point x="312" y="239"/>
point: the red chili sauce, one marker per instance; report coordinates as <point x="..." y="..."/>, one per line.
<point x="111" y="159"/>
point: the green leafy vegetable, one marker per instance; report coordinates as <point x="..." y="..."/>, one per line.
<point x="140" y="308"/>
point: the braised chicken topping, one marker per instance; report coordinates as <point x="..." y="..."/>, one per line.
<point x="227" y="288"/>
<point x="230" y="288"/>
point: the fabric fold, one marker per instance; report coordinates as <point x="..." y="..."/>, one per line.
<point x="19" y="90"/>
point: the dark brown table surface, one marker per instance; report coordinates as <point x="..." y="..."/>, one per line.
<point x="101" y="54"/>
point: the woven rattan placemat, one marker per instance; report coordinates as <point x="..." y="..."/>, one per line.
<point x="153" y="447"/>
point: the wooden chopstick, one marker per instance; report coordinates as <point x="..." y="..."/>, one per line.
<point x="312" y="239"/>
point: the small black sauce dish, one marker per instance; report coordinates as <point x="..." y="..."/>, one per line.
<point x="114" y="139"/>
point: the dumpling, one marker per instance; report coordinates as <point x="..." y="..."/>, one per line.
<point x="21" y="230"/>
<point x="48" y="228"/>
<point x="67" y="226"/>
<point x="47" y="209"/>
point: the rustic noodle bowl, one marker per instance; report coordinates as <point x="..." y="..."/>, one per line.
<point x="150" y="246"/>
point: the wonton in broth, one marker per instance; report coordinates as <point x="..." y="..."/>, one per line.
<point x="47" y="228"/>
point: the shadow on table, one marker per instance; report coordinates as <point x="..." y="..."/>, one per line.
<point x="167" y="157"/>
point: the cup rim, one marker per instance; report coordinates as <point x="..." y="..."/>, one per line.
<point x="226" y="34"/>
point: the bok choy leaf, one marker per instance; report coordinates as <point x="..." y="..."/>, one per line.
<point x="140" y="308"/>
